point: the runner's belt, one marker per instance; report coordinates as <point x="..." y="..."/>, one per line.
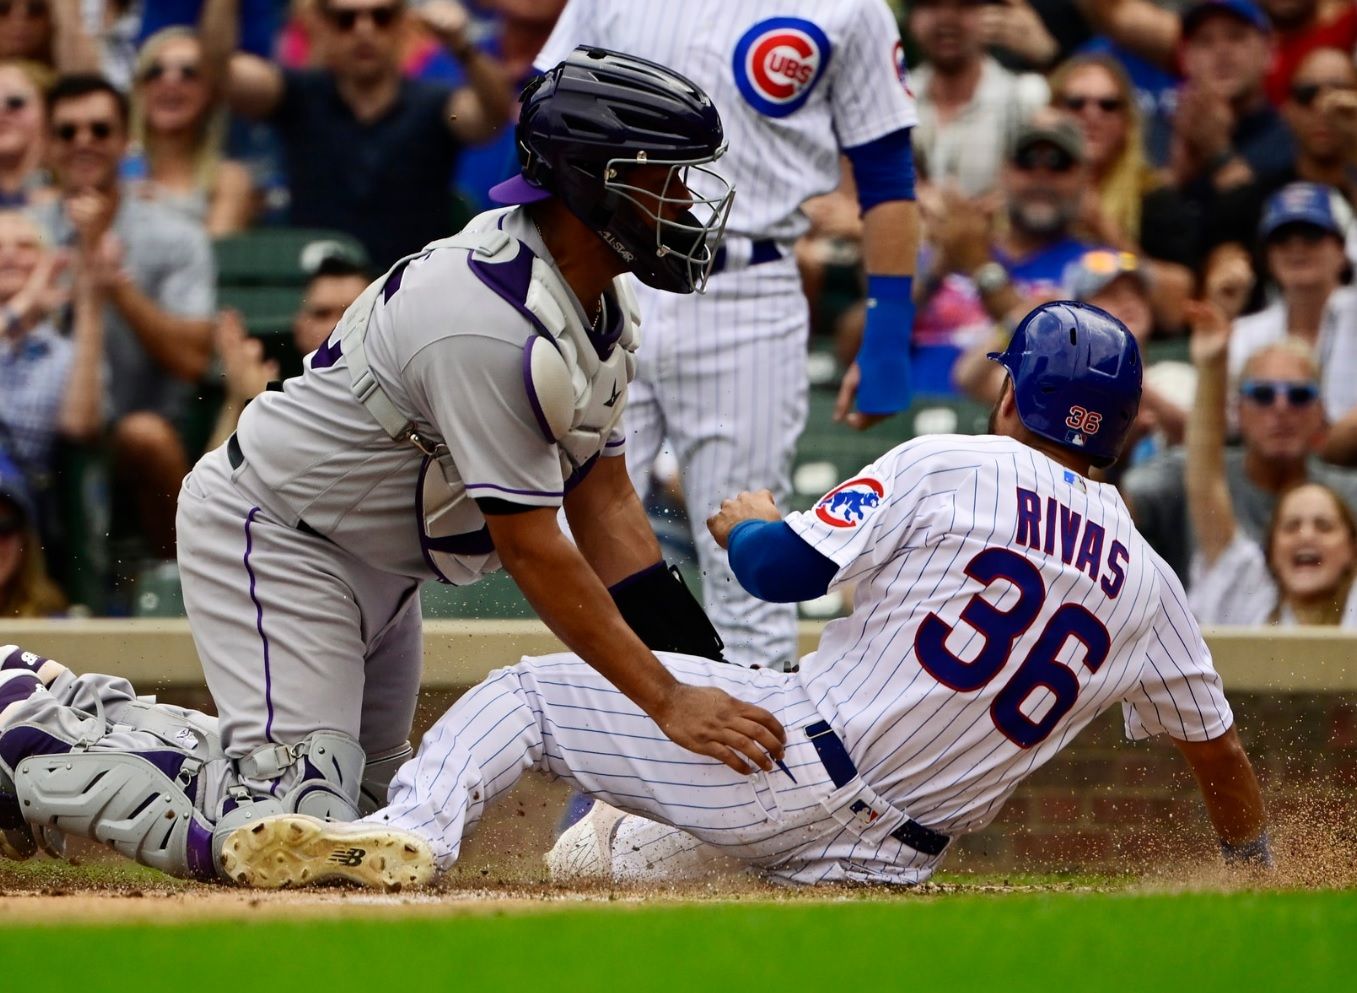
<point x="841" y="769"/>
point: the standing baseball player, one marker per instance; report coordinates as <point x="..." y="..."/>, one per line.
<point x="463" y="399"/>
<point x="1003" y="600"/>
<point x="723" y="378"/>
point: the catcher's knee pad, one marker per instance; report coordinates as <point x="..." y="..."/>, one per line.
<point x="377" y="776"/>
<point x="142" y="804"/>
<point x="330" y="775"/>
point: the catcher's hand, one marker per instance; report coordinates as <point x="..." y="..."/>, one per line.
<point x="711" y="722"/>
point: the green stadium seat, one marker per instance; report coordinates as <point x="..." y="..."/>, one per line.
<point x="494" y="597"/>
<point x="157" y="593"/>
<point x="273" y="256"/>
<point x="267" y="310"/>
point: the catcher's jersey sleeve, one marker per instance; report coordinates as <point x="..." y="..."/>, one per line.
<point x="1179" y="693"/>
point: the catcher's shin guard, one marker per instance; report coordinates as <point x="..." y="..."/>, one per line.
<point x="331" y="766"/>
<point x="141" y="804"/>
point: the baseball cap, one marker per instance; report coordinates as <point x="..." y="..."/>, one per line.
<point x="1095" y="270"/>
<point x="1061" y="132"/>
<point x="1305" y="203"/>
<point x="315" y="254"/>
<point x="14" y="488"/>
<point x="1241" y="10"/>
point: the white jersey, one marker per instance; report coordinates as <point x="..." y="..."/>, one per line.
<point x="1239" y="589"/>
<point x="795" y="81"/>
<point x="1002" y="602"/>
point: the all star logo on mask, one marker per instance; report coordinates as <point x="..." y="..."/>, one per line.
<point x="777" y="63"/>
<point x="617" y="246"/>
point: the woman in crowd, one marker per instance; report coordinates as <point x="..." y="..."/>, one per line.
<point x="25" y="589"/>
<point x="22" y="133"/>
<point x="1302" y="573"/>
<point x="1130" y="207"/>
<point x="179" y="126"/>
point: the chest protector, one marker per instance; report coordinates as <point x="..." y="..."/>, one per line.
<point x="575" y="381"/>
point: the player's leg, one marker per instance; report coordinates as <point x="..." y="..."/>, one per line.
<point x="142" y="790"/>
<point x="558" y="715"/>
<point x="395" y="663"/>
<point x="278" y="618"/>
<point x="739" y="405"/>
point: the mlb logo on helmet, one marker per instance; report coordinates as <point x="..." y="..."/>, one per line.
<point x="777" y="63"/>
<point x="848" y="504"/>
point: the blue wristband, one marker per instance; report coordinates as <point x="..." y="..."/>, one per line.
<point x="883" y="358"/>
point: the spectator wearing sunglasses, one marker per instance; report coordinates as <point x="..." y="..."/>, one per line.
<point x="156" y="270"/>
<point x="1302" y="234"/>
<point x="179" y="127"/>
<point x="1130" y="207"/>
<point x="1321" y="111"/>
<point x="367" y="151"/>
<point x="25" y="589"/>
<point x="1277" y="449"/>
<point x="23" y="135"/>
<point x="1300" y="569"/>
<point x="970" y="107"/>
<point x="988" y="263"/>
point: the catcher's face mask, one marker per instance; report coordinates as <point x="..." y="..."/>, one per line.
<point x="666" y="218"/>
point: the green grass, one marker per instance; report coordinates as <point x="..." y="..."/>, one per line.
<point x="1051" y="942"/>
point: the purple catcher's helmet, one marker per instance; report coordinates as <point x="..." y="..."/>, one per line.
<point x="1076" y="375"/>
<point x="586" y="122"/>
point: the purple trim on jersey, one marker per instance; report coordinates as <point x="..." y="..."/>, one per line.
<point x="505" y="489"/>
<point x="259" y="625"/>
<point x="615" y="443"/>
<point x="327" y="354"/>
<point x="517" y="190"/>
<point x="199" y="844"/>
<point x="18" y="688"/>
<point x="531" y="389"/>
<point x="393" y="282"/>
<point x="580" y="472"/>
<point x="468" y="543"/>
<point x="24" y="742"/>
<point x="511" y="281"/>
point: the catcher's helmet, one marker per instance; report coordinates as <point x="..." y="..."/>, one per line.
<point x="1076" y="377"/>
<point x="597" y="113"/>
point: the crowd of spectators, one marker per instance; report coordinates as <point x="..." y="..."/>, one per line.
<point x="1188" y="166"/>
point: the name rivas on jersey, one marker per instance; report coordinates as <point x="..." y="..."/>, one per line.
<point x="1044" y="526"/>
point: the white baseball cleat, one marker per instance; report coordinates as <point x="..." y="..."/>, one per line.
<point x="299" y="850"/>
<point x="585" y="849"/>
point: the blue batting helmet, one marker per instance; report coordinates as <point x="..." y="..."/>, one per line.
<point x="587" y="122"/>
<point x="1076" y="378"/>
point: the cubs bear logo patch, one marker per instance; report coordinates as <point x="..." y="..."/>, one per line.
<point x="848" y="504"/>
<point x="777" y="63"/>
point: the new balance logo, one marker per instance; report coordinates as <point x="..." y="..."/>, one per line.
<point x="613" y="399"/>
<point x="351" y="857"/>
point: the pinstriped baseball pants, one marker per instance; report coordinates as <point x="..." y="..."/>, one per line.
<point x="557" y="715"/>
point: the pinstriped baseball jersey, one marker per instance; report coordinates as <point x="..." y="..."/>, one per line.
<point x="795" y="81"/>
<point x="1002" y="602"/>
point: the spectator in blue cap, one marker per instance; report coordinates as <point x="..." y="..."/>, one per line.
<point x="1227" y="134"/>
<point x="1302" y="233"/>
<point x="25" y="589"/>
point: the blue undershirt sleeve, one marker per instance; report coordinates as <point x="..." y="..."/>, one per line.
<point x="883" y="169"/>
<point x="774" y="564"/>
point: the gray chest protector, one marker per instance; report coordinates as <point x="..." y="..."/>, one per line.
<point x="575" y="381"/>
